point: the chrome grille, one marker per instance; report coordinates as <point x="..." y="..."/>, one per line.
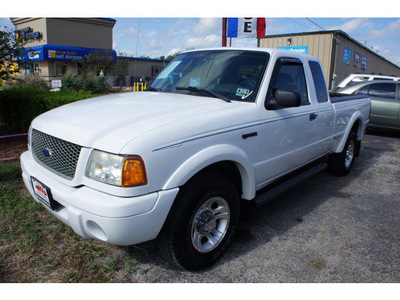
<point x="59" y="156"/>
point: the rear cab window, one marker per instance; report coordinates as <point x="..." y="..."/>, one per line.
<point x="319" y="81"/>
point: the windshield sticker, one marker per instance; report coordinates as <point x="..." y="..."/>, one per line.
<point x="240" y="92"/>
<point x="194" y="82"/>
<point x="245" y="96"/>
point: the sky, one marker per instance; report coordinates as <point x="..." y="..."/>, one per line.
<point x="159" y="31"/>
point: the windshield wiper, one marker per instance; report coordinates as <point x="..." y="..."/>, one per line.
<point x="203" y="91"/>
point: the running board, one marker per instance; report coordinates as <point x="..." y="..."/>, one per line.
<point x="282" y="185"/>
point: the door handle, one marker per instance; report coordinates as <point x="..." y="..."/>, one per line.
<point x="313" y="116"/>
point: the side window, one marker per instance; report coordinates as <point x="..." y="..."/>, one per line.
<point x="363" y="91"/>
<point x="383" y="90"/>
<point x="357" y="79"/>
<point x="319" y="81"/>
<point x="289" y="74"/>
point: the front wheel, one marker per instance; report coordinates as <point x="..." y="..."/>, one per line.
<point x="340" y="163"/>
<point x="201" y="223"/>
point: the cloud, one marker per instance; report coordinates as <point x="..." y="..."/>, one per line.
<point x="273" y="26"/>
<point x="211" y="40"/>
<point x="353" y="25"/>
<point x="206" y="26"/>
<point x="391" y="29"/>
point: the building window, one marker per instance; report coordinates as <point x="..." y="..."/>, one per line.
<point x="32" y="68"/>
<point x="61" y="68"/>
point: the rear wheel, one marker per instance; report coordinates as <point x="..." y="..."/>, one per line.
<point x="201" y="223"/>
<point x="341" y="163"/>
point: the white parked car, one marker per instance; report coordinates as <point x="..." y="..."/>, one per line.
<point x="358" y="78"/>
<point x="216" y="128"/>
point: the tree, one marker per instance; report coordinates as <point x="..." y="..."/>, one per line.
<point x="11" y="51"/>
<point x="122" y="68"/>
<point x="100" y="60"/>
<point x="172" y="56"/>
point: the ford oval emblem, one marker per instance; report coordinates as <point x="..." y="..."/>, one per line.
<point x="47" y="152"/>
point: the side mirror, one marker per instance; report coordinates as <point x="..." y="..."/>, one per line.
<point x="283" y="98"/>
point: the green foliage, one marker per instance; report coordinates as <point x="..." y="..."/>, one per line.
<point x="87" y="82"/>
<point x="32" y="81"/>
<point x="9" y="43"/>
<point x="19" y="106"/>
<point x="71" y="82"/>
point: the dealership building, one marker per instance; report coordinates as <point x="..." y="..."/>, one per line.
<point x="56" y="45"/>
<point x="340" y="54"/>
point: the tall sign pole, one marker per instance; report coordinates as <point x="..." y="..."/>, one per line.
<point x="224" y="28"/>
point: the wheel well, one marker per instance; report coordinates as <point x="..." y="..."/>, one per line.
<point x="356" y="128"/>
<point x="226" y="168"/>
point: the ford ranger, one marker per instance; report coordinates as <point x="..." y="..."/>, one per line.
<point x="217" y="128"/>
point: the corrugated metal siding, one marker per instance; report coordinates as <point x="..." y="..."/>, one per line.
<point x="319" y="45"/>
<point x="375" y="63"/>
<point x="324" y="44"/>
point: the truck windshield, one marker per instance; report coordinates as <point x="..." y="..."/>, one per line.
<point x="226" y="74"/>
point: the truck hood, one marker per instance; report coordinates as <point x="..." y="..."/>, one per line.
<point x="110" y="122"/>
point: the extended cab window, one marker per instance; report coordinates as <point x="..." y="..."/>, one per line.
<point x="289" y="74"/>
<point x="319" y="81"/>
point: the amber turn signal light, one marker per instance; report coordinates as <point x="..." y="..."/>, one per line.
<point x="133" y="172"/>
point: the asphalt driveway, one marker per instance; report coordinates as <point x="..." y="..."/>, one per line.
<point x="328" y="229"/>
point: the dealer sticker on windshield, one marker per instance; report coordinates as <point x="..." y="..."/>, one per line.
<point x="240" y="92"/>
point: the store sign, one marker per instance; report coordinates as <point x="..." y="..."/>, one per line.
<point x="65" y="55"/>
<point x="60" y="53"/>
<point x="364" y="63"/>
<point x="27" y="33"/>
<point x="298" y="49"/>
<point x="357" y="60"/>
<point x="346" y="55"/>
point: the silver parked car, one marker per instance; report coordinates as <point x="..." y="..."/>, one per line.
<point x="385" y="102"/>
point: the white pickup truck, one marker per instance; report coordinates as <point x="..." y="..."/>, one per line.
<point x="217" y="128"/>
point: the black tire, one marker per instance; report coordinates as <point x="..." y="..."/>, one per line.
<point x="340" y="163"/>
<point x="201" y="223"/>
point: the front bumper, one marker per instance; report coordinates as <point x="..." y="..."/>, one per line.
<point x="94" y="214"/>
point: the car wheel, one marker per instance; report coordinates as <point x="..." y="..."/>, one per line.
<point x="340" y="163"/>
<point x="201" y="223"/>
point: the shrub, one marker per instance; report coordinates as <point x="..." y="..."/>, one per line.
<point x="32" y="81"/>
<point x="71" y="82"/>
<point x="86" y="82"/>
<point x="19" y="106"/>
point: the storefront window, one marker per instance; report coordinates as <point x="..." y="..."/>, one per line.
<point x="61" y="68"/>
<point x="32" y="68"/>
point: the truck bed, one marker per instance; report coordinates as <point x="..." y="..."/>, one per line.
<point x="337" y="97"/>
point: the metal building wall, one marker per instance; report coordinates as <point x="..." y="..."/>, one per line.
<point x="329" y="47"/>
<point x="374" y="62"/>
<point x="319" y="45"/>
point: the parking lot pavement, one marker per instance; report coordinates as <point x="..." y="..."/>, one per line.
<point x="328" y="229"/>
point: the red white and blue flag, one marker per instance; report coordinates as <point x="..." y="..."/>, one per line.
<point x="246" y="27"/>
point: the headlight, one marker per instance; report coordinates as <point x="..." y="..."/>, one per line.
<point x="126" y="171"/>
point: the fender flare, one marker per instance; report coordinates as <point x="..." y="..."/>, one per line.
<point x="215" y="154"/>
<point x="356" y="117"/>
